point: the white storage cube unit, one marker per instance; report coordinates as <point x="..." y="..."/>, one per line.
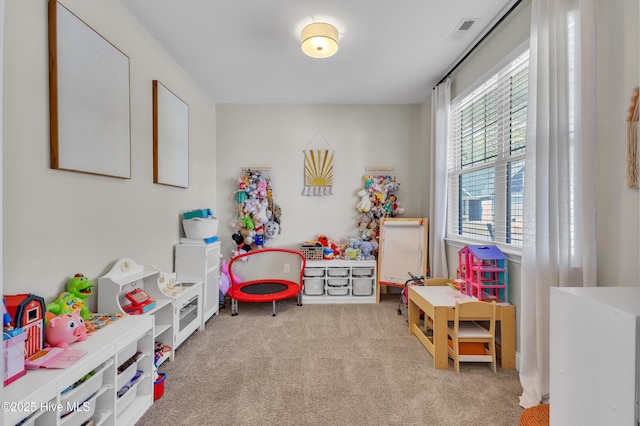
<point x="339" y="281"/>
<point x="66" y="397"/>
<point x="594" y="356"/>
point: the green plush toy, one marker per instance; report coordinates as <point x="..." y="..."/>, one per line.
<point x="79" y="288"/>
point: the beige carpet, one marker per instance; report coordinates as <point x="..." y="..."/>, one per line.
<point x="324" y="365"/>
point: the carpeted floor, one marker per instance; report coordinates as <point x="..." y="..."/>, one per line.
<point x="324" y="365"/>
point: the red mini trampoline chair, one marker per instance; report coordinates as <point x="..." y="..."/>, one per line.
<point x="265" y="289"/>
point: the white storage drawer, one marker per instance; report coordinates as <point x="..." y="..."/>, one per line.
<point x="128" y="373"/>
<point x="83" y="412"/>
<point x="338" y="272"/>
<point x="362" y="286"/>
<point x="314" y="287"/>
<point x="314" y="272"/>
<point x="81" y="391"/>
<point x="362" y="272"/>
<point x="337" y="286"/>
<point x="338" y="282"/>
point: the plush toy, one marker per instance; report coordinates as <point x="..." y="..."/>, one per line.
<point x="241" y="247"/>
<point x="366" y="247"/>
<point x="323" y="240"/>
<point x="241" y="192"/>
<point x="248" y="235"/>
<point x="352" y="253"/>
<point x="391" y="186"/>
<point x="364" y="205"/>
<point x="262" y="189"/>
<point x="271" y="229"/>
<point x="79" y="288"/>
<point x="260" y="216"/>
<point x="225" y="281"/>
<point x="64" y="329"/>
<point x="397" y="207"/>
<point x="258" y="239"/>
<point x="247" y="222"/>
<point x="341" y="252"/>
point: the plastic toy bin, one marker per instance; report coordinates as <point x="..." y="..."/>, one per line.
<point x="314" y="272"/>
<point x="362" y="286"/>
<point x="338" y="287"/>
<point x="200" y="228"/>
<point x="84" y="388"/>
<point x="158" y="386"/>
<point x="338" y="272"/>
<point x="314" y="286"/>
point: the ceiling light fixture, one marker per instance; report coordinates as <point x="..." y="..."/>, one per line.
<point x="319" y="40"/>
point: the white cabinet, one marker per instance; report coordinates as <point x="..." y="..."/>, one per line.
<point x="594" y="356"/>
<point x="57" y="397"/>
<point x="126" y="275"/>
<point x="187" y="303"/>
<point x="339" y="281"/>
<point x="201" y="262"/>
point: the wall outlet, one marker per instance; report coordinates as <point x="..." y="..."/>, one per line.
<point x="286" y="268"/>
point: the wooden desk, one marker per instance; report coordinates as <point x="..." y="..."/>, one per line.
<point x="438" y="302"/>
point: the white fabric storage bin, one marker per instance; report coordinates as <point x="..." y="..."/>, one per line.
<point x="314" y="287"/>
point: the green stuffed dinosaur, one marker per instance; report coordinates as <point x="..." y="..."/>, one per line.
<point x="79" y="288"/>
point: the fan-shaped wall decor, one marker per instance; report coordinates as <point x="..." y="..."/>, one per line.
<point x="318" y="170"/>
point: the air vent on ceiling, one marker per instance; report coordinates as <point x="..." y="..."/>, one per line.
<point x="462" y="28"/>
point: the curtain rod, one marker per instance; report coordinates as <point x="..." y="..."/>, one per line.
<point x="496" y="25"/>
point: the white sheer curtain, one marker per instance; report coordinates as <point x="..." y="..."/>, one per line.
<point x="559" y="236"/>
<point x="440" y="102"/>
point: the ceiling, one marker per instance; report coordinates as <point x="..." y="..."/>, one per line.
<point x="248" y="51"/>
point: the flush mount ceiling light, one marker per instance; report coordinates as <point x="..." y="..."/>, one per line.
<point x="319" y="40"/>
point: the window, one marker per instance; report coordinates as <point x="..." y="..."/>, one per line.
<point x="487" y="139"/>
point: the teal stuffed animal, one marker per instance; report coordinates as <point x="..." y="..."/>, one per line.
<point x="79" y="288"/>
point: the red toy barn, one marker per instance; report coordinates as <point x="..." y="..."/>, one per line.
<point x="27" y="311"/>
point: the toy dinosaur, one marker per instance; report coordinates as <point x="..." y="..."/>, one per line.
<point x="79" y="288"/>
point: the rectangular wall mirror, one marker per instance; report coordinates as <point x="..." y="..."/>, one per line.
<point x="89" y="99"/>
<point x="170" y="138"/>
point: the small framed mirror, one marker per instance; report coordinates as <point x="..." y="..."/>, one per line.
<point x="170" y="138"/>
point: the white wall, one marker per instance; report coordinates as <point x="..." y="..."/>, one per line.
<point x="616" y="205"/>
<point x="276" y="135"/>
<point x="58" y="223"/>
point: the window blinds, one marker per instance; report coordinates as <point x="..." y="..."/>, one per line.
<point x="486" y="158"/>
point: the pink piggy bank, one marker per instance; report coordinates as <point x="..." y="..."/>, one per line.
<point x="65" y="329"/>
